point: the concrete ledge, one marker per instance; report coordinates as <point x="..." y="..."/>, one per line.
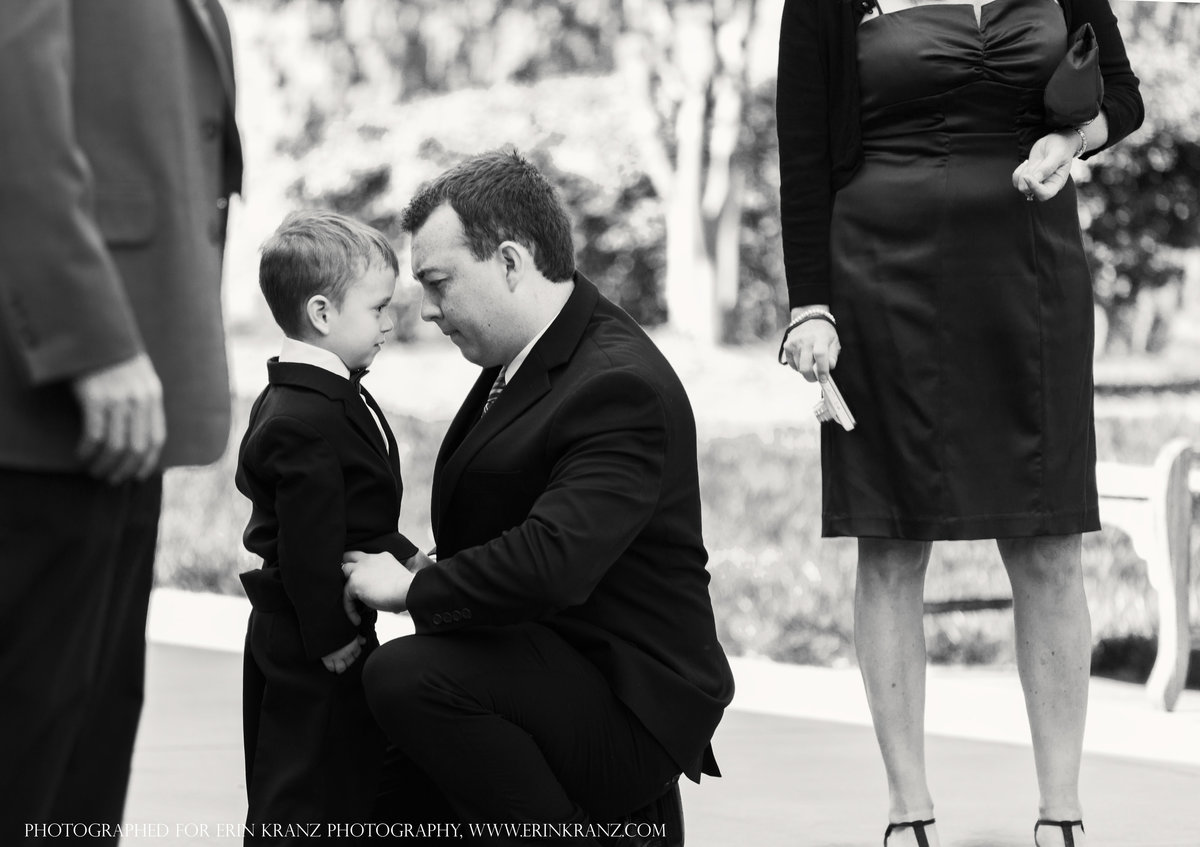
<point x="218" y="621"/>
<point x="979" y="704"/>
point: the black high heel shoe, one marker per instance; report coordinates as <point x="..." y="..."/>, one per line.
<point x="918" y="828"/>
<point x="1067" y="828"/>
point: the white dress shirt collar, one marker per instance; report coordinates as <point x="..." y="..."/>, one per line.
<point x="510" y="370"/>
<point x="303" y="353"/>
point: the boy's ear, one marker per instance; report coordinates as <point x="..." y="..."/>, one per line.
<point x="317" y="310"/>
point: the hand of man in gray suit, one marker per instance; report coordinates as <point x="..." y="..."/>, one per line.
<point x="124" y="426"/>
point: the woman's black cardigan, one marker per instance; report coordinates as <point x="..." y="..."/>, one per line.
<point x="817" y="115"/>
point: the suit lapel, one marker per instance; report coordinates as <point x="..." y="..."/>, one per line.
<point x="467" y="416"/>
<point x="360" y="416"/>
<point x="392" y="451"/>
<point x="215" y="28"/>
<point x="335" y="388"/>
<point x="469" y="433"/>
<point x="530" y="383"/>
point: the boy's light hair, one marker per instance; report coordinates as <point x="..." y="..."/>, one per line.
<point x="316" y="252"/>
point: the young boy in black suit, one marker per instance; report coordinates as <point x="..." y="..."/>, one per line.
<point x="319" y="464"/>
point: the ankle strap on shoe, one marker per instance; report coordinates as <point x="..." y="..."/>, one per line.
<point x="918" y="828"/>
<point x="1066" y="827"/>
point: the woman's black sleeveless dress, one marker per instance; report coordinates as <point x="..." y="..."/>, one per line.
<point x="964" y="311"/>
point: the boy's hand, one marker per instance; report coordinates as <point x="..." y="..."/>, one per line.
<point x="340" y="660"/>
<point x="418" y="562"/>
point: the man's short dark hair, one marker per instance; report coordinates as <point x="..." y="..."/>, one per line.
<point x="500" y="196"/>
<point x="316" y="252"/>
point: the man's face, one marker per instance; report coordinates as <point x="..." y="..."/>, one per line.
<point x="466" y="298"/>
<point x="359" y="327"/>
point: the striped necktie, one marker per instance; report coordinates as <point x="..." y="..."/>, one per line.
<point x="494" y="394"/>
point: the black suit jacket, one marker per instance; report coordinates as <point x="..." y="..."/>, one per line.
<point x="312" y="463"/>
<point x="575" y="502"/>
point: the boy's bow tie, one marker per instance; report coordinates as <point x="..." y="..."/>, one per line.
<point x="356" y="376"/>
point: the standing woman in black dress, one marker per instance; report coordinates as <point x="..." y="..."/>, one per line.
<point x="935" y="266"/>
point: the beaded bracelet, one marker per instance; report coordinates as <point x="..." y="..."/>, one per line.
<point x="1083" y="141"/>
<point x="807" y="315"/>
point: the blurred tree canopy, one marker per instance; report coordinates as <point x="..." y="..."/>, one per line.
<point x="686" y="62"/>
<point x="1140" y="201"/>
<point x="647" y="116"/>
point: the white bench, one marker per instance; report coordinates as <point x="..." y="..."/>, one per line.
<point x="1154" y="506"/>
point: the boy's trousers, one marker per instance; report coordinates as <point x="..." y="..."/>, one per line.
<point x="313" y="750"/>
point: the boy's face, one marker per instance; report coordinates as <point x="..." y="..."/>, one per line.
<point x="359" y="327"/>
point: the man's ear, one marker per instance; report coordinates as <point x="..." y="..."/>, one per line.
<point x="517" y="261"/>
<point x="317" y="310"/>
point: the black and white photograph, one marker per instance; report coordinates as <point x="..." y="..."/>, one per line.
<point x="600" y="423"/>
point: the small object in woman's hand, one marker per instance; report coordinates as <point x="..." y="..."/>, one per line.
<point x="834" y="405"/>
<point x="1029" y="196"/>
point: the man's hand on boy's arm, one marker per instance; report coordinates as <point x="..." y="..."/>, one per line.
<point x="376" y="579"/>
<point x="340" y="660"/>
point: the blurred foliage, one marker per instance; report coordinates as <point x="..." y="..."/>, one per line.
<point x="360" y="85"/>
<point x="761" y="306"/>
<point x="1140" y="201"/>
<point x="778" y="590"/>
<point x="620" y="233"/>
<point x="387" y="51"/>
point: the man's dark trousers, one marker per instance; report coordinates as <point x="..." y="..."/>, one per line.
<point x="72" y="543"/>
<point x="513" y="724"/>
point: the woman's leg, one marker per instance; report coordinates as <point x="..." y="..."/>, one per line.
<point x="1054" y="642"/>
<point x="890" y="639"/>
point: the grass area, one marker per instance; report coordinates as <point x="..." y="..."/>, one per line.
<point x="778" y="589"/>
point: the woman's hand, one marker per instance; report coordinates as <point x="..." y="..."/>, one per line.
<point x="814" y="342"/>
<point x="1045" y="172"/>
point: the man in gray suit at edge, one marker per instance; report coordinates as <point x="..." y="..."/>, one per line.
<point x="118" y="153"/>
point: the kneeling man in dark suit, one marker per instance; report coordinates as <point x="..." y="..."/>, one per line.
<point x="565" y="667"/>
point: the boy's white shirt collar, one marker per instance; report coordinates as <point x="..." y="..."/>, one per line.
<point x="303" y="353"/>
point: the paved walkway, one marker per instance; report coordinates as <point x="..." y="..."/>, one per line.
<point x="799" y="759"/>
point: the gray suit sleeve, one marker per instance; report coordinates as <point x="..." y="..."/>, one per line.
<point x="62" y="303"/>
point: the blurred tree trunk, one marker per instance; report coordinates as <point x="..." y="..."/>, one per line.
<point x="685" y="60"/>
